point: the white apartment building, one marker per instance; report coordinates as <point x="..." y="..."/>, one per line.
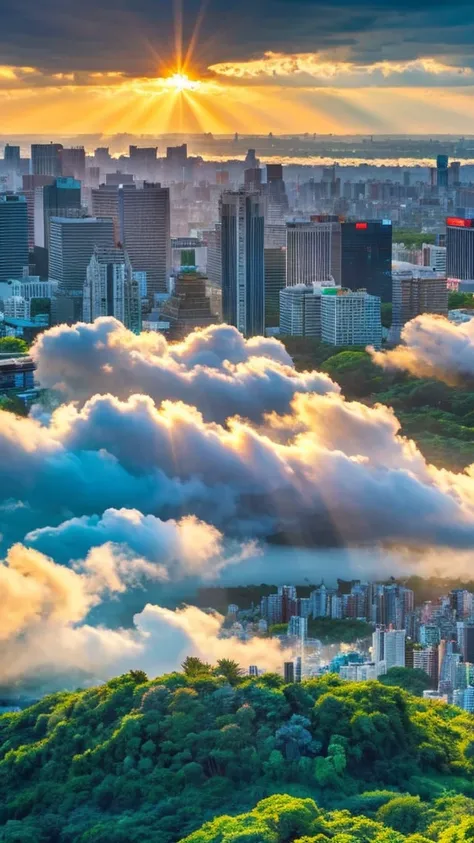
<point x="350" y="318"/>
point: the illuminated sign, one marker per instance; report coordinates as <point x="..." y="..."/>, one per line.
<point x="386" y="222"/>
<point x="459" y="222"/>
<point x="361" y="225"/>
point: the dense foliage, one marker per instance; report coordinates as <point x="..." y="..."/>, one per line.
<point x="411" y="679"/>
<point x="12" y="345"/>
<point x="411" y="238"/>
<point x="136" y="761"/>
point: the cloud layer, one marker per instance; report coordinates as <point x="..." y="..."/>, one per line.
<point x="433" y="347"/>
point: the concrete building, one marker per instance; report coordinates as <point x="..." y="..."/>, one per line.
<point x="298" y="627"/>
<point x="416" y="290"/>
<point x="71" y="246"/>
<point x="242" y="251"/>
<point x="188" y="307"/>
<point x="300" y="311"/>
<point x="366" y="257"/>
<point x="359" y="672"/>
<point x="74" y="163"/>
<point x="13" y="236"/>
<point x="46" y="159"/>
<point x="434" y="257"/>
<point x="188" y="251"/>
<point x="214" y="255"/>
<point x="275" y="281"/>
<point x="111" y="290"/>
<point x="16" y="307"/>
<point x="105" y="204"/>
<point x="460" y="248"/>
<point x="62" y="198"/>
<point x="313" y="249"/>
<point x="350" y="318"/>
<point x="144" y="220"/>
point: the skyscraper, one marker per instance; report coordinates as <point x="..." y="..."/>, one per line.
<point x="460" y="248"/>
<point x="275" y="280"/>
<point x="62" y="198"/>
<point x="105" y="203"/>
<point x="13" y="236"/>
<point x="300" y="311"/>
<point x="12" y="157"/>
<point x="442" y="162"/>
<point x="111" y="290"/>
<point x="74" y="163"/>
<point x="71" y="244"/>
<point x="312" y="250"/>
<point x="243" y="276"/>
<point x="366" y="257"/>
<point x="144" y="222"/>
<point x="415" y="291"/>
<point x="188" y="307"/>
<point x="46" y="159"/>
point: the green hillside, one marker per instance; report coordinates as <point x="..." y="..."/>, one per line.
<point x="135" y="761"/>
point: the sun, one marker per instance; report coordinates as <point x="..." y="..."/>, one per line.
<point x="181" y="82"/>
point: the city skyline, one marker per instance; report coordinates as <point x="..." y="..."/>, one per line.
<point x="199" y="66"/>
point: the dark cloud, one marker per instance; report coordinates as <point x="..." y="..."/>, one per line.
<point x="139" y="36"/>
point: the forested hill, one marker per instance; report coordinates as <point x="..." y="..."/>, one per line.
<point x="136" y="761"/>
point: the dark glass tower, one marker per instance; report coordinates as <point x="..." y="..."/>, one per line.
<point x="366" y="257"/>
<point x="13" y="236"/>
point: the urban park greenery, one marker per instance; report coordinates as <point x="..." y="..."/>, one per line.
<point x="135" y="761"/>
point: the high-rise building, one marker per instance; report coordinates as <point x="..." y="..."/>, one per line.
<point x="275" y="281"/>
<point x="12" y="157"/>
<point x="243" y="273"/>
<point x="468" y="643"/>
<point x="434" y="257"/>
<point x="16" y="307"/>
<point x="46" y="159"/>
<point x="289" y="672"/>
<point x="105" y="203"/>
<point x="214" y="255"/>
<point x="32" y="191"/>
<point x="62" y="198"/>
<point x="13" y="236"/>
<point x="460" y="248"/>
<point x="74" y="163"/>
<point x="416" y="290"/>
<point x="350" y="318"/>
<point x="442" y="162"/>
<point x="188" y="307"/>
<point x="313" y="247"/>
<point x="71" y="244"/>
<point x="298" y="627"/>
<point x="144" y="220"/>
<point x="300" y="311"/>
<point x="366" y="257"/>
<point x="111" y="290"/>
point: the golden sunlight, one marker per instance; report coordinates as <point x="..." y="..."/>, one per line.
<point x="181" y="82"/>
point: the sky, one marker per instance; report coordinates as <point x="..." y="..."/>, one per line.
<point x="253" y="65"/>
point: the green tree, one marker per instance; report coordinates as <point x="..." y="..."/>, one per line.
<point x="406" y="814"/>
<point x="192" y="666"/>
<point x="413" y="680"/>
<point x="230" y="669"/>
<point x="12" y="345"/>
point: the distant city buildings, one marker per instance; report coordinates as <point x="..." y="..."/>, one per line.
<point x="13" y="236"/>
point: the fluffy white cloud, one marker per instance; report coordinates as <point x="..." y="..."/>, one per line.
<point x="215" y="369"/>
<point x="433" y="347"/>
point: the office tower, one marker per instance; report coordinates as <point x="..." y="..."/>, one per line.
<point x="275" y="280"/>
<point x="289" y="672"/>
<point x="462" y="602"/>
<point x="468" y="643"/>
<point x="30" y="287"/>
<point x="32" y="191"/>
<point x="253" y="670"/>
<point x="274" y="173"/>
<point x="12" y="157"/>
<point x="442" y="162"/>
<point x="378" y="645"/>
<point x="350" y="318"/>
<point x="188" y="307"/>
<point x="16" y="307"/>
<point x="243" y="274"/>
<point x="313" y="248"/>
<point x="214" y="254"/>
<point x="62" y="198"/>
<point x="74" y="163"/>
<point x="287" y="595"/>
<point x="71" y="244"/>
<point x="366" y="257"/>
<point x="188" y="251"/>
<point x="111" y="290"/>
<point x="299" y="669"/>
<point x="275" y="235"/>
<point x="143" y="156"/>
<point x="434" y="257"/>
<point x="426" y="658"/>
<point x="277" y="205"/>
<point x="102" y="156"/>
<point x="222" y="177"/>
<point x="176" y="162"/>
<point x="144" y="220"/>
<point x="300" y="311"/>
<point x="415" y="291"/>
<point x="46" y="159"/>
<point x="253" y="179"/>
<point x="105" y="203"/>
<point x="460" y="248"/>
<point x="319" y="602"/>
<point x="454" y="174"/>
<point x="13" y="236"/>
<point x="298" y="627"/>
